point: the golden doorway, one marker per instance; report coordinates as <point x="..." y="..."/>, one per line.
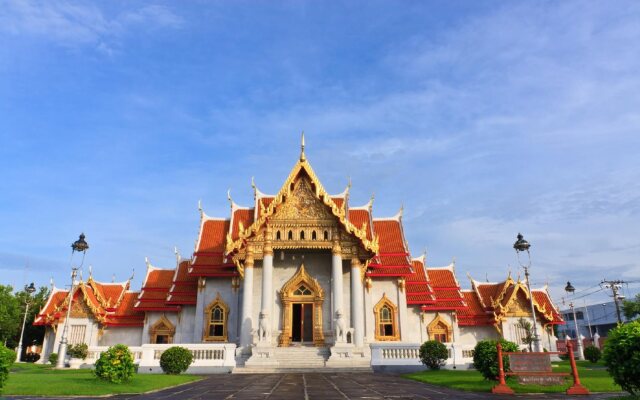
<point x="302" y="298"/>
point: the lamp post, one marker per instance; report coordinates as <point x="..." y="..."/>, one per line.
<point x="579" y="353"/>
<point x="520" y="246"/>
<point x="29" y="290"/>
<point x="79" y="246"/>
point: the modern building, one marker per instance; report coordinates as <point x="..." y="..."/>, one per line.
<point x="595" y="318"/>
<point x="301" y="279"/>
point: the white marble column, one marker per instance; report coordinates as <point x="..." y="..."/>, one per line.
<point x="402" y="309"/>
<point x="246" y="325"/>
<point x="357" y="299"/>
<point x="336" y="275"/>
<point x="198" y="329"/>
<point x="267" y="292"/>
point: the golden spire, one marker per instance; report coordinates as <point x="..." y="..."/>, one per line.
<point x="302" y="156"/>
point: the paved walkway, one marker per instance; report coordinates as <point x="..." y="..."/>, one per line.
<point x="321" y="386"/>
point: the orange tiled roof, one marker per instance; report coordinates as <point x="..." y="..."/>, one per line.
<point x="446" y="290"/>
<point x="155" y="291"/>
<point x="359" y="217"/>
<point x="418" y="289"/>
<point x="209" y="256"/>
<point x="474" y="313"/>
<point x="56" y="307"/>
<point x="542" y="298"/>
<point x="244" y="216"/>
<point x="393" y="257"/>
<point x="184" y="288"/>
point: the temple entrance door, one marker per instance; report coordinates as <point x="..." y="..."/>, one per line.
<point x="302" y="322"/>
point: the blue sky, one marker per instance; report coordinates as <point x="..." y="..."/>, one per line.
<point x="482" y="118"/>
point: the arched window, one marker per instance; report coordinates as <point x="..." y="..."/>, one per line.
<point x="439" y="330"/>
<point x="278" y="236"/>
<point x="162" y="331"/>
<point x="326" y="235"/>
<point x="386" y="320"/>
<point x="301" y="235"/>
<point x="302" y="290"/>
<point x="217" y="315"/>
<point x="290" y="236"/>
<point x="314" y="236"/>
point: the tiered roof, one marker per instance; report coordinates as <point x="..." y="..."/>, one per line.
<point x="109" y="303"/>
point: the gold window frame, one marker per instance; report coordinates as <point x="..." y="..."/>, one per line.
<point x="162" y="327"/>
<point x="439" y="326"/>
<point x="377" y="310"/>
<point x="217" y="302"/>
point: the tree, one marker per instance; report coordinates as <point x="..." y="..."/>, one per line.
<point x="433" y="354"/>
<point x="622" y="356"/>
<point x="528" y="338"/>
<point x="631" y="308"/>
<point x="32" y="334"/>
<point x="9" y="316"/>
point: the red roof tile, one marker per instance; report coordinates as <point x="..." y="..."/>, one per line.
<point x="393" y="257"/>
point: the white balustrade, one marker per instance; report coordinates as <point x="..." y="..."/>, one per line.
<point x="207" y="357"/>
<point x="408" y="354"/>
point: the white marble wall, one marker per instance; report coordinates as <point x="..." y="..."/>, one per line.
<point x="121" y="335"/>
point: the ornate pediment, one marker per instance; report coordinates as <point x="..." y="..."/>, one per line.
<point x="302" y="206"/>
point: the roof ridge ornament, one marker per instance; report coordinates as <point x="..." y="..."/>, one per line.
<point x="302" y="156"/>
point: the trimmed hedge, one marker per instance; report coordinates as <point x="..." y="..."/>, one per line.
<point x="592" y="353"/>
<point x="622" y="356"/>
<point x="53" y="358"/>
<point x="115" y="365"/>
<point x="175" y="360"/>
<point x="7" y="358"/>
<point x="485" y="357"/>
<point x="433" y="354"/>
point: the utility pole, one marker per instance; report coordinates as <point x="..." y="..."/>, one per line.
<point x="615" y="286"/>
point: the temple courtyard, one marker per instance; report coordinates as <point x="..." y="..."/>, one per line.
<point x="320" y="386"/>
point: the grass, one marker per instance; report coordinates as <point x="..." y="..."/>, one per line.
<point x="594" y="376"/>
<point x="43" y="380"/>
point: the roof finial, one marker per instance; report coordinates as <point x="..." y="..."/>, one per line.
<point x="229" y="197"/>
<point x="113" y="278"/>
<point x="373" y="196"/>
<point x="146" y="261"/>
<point x="177" y="253"/>
<point x="133" y="273"/>
<point x="51" y="283"/>
<point x="302" y="156"/>
<point x="90" y="271"/>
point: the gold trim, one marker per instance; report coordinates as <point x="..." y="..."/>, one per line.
<point x="433" y="326"/>
<point x="162" y="327"/>
<point x="287" y="297"/>
<point x="394" y="321"/>
<point x="225" y="308"/>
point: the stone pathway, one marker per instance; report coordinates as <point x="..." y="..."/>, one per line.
<point x="341" y="386"/>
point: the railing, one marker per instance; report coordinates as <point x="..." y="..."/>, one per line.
<point x="207" y="357"/>
<point x="408" y="354"/>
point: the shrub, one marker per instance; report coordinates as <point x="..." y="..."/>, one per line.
<point x="175" y="360"/>
<point x="53" y="358"/>
<point x="115" y="365"/>
<point x="622" y="356"/>
<point x="433" y="354"/>
<point x="7" y="358"/>
<point x="80" y="350"/>
<point x="592" y="353"/>
<point x="485" y="357"/>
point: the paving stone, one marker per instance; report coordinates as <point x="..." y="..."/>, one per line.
<point x="340" y="386"/>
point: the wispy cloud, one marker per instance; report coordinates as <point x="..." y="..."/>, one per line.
<point x="73" y="24"/>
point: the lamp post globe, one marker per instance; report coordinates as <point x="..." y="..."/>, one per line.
<point x="579" y="350"/>
<point x="79" y="246"/>
<point x="521" y="245"/>
<point x="29" y="290"/>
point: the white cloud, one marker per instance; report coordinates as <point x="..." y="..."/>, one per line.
<point x="75" y="24"/>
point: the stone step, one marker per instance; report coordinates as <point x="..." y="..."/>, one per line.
<point x="321" y="370"/>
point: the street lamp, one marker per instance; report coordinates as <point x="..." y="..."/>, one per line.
<point x="520" y="246"/>
<point x="80" y="246"/>
<point x="579" y="353"/>
<point x="29" y="290"/>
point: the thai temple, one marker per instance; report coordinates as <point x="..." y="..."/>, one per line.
<point x="300" y="280"/>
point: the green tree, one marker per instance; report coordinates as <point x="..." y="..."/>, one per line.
<point x="631" y="308"/>
<point x="9" y="316"/>
<point x="32" y="334"/>
<point x="622" y="356"/>
<point x="528" y="338"/>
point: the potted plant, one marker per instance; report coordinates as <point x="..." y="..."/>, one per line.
<point x="77" y="353"/>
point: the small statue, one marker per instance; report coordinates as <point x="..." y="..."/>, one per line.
<point x="341" y="330"/>
<point x="263" y="327"/>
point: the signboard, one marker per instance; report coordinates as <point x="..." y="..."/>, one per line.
<point x="533" y="368"/>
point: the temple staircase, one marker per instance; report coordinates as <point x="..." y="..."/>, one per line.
<point x="301" y="359"/>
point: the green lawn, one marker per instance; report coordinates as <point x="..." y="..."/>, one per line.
<point x="593" y="376"/>
<point x="42" y="380"/>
